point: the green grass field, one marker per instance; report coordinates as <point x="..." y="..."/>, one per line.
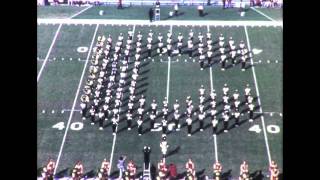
<point x="59" y="82"/>
<point x="181" y="77"/>
<point x="57" y="11"/>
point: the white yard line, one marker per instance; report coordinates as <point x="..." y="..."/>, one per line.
<point x="112" y="150"/>
<point x="115" y="136"/>
<point x="80" y="12"/>
<point x="75" y="100"/>
<point x="263" y="14"/>
<point x="161" y="23"/>
<point x="258" y="95"/>
<point x="49" y="51"/>
<point x="214" y="136"/>
<point x="169" y="66"/>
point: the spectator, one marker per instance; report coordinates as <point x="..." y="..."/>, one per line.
<point x="157" y="3"/>
<point x="150" y="14"/>
<point x="176" y="9"/>
<point x="173" y="171"/>
<point x="200" y="10"/>
<point x="119" y="4"/>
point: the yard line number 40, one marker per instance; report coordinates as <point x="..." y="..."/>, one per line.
<point x="76" y="126"/>
<point x="273" y="129"/>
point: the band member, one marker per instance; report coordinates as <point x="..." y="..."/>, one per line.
<point x="169" y="49"/>
<point x="115" y="120"/>
<point x="152" y="119"/>
<point x="129" y="120"/>
<point x="164" y="146"/>
<point x="201" y="90"/>
<point x="77" y="171"/>
<point x="142" y="101"/>
<point x="101" y="118"/>
<point x="243" y="62"/>
<point x="149" y="47"/>
<point x="139" y="122"/>
<point x="250" y="111"/>
<point x="92" y="115"/>
<point x="201" y="117"/>
<point x="189" y="123"/>
<point x="104" y="170"/>
<point x="223" y="62"/>
<point x="200" y="37"/>
<point x="217" y="169"/>
<point x="225" y="89"/>
<point x="209" y="57"/>
<point x="160" y="48"/>
<point x="236" y="115"/>
<point x="191" y="35"/>
<point x="201" y="61"/>
<point x="190" y="168"/>
<point x="176" y="117"/>
<point x="214" y="122"/>
<point x="190" y="48"/>
<point x="164" y="126"/>
<point x="83" y="105"/>
<point x="139" y="36"/>
<point x="225" y="121"/>
<point x="47" y="171"/>
<point x="236" y="95"/>
<point x="163" y="170"/>
<point x="244" y="171"/>
<point x="274" y="171"/>
<point x="132" y="169"/>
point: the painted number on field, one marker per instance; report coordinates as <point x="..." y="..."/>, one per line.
<point x="273" y="129"/>
<point x="76" y="126"/>
<point x="82" y="49"/>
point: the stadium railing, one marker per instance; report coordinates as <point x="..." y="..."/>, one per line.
<point x="144" y="2"/>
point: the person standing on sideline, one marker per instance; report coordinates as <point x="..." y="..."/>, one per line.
<point x="119" y="4"/>
<point x="176" y="9"/>
<point x="150" y="14"/>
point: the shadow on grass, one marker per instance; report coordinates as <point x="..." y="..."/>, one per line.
<point x="62" y="173"/>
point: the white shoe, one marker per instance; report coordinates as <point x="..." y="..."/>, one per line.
<point x="201" y="69"/>
<point x="92" y="123"/>
<point x="201" y="129"/>
<point x="179" y="54"/>
<point x="222" y="69"/>
<point x="129" y="129"/>
<point x="83" y="118"/>
<point x="178" y="129"/>
<point x="100" y="128"/>
<point x="139" y="134"/>
<point x="242" y="69"/>
<point x="189" y="134"/>
<point x="250" y="120"/>
<point x="113" y="133"/>
<point x="225" y="131"/>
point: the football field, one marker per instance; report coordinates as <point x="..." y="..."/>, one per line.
<point x="64" y="54"/>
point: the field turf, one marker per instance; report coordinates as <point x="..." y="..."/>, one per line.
<point x="58" y="85"/>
